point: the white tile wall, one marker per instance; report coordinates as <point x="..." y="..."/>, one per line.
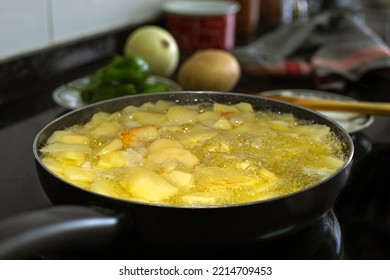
<point x="76" y="18"/>
<point x="23" y="26"/>
<point x="28" y="25"/>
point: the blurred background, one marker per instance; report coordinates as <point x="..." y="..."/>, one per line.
<point x="34" y="25"/>
<point x="42" y="40"/>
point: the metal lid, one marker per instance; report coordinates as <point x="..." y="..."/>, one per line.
<point x="201" y="8"/>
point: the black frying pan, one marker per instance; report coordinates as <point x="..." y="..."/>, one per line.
<point x="85" y="218"/>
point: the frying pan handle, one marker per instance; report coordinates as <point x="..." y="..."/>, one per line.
<point x="55" y="228"/>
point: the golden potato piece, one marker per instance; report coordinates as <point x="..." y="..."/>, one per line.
<point x="181" y="115"/>
<point x="198" y="134"/>
<point x="107" y="129"/>
<point x="209" y="116"/>
<point x="108" y="188"/>
<point x="180" y="155"/>
<point x="67" y="137"/>
<point x="62" y="147"/>
<point x="223" y="123"/>
<point x="244" y="107"/>
<point x="53" y="165"/>
<point x="112" y="146"/>
<point x="148" y="117"/>
<point x="180" y="178"/>
<point x="199" y="199"/>
<point x="71" y="158"/>
<point x="160" y="144"/>
<point x="78" y="174"/>
<point x="148" y="185"/>
<point x="218" y="107"/>
<point x="135" y="135"/>
<point x="113" y="160"/>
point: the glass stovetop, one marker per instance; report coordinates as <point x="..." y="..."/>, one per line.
<point x="321" y="241"/>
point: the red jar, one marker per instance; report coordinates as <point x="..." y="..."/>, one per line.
<point x="202" y="24"/>
<point x="248" y="17"/>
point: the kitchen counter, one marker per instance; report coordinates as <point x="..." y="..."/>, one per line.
<point x="363" y="210"/>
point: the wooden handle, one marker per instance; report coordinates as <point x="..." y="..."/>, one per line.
<point x="372" y="108"/>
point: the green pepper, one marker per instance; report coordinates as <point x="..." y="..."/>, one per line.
<point x="153" y="87"/>
<point x="95" y="82"/>
<point x="86" y="94"/>
<point x="129" y="69"/>
<point x="111" y="91"/>
<point x="123" y="76"/>
<point x="96" y="78"/>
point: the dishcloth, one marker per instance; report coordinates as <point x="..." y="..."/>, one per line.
<point x="335" y="47"/>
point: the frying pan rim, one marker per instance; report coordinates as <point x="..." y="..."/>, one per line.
<point x="350" y="145"/>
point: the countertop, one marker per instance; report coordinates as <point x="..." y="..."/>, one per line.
<point x="363" y="209"/>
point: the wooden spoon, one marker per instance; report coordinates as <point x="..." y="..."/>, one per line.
<point x="372" y="108"/>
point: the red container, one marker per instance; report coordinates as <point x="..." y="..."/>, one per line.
<point x="202" y="24"/>
<point x="248" y="17"/>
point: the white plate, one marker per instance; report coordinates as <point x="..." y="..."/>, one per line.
<point x="351" y="122"/>
<point x="68" y="95"/>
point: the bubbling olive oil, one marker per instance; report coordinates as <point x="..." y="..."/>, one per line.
<point x="195" y="155"/>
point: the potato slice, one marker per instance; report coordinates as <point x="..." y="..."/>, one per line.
<point x="181" y="115"/>
<point x="134" y="158"/>
<point x="71" y="158"/>
<point x="161" y="106"/>
<point x="108" y="188"/>
<point x="67" y="137"/>
<point x="279" y="125"/>
<point x="148" y="117"/>
<point x="199" y="199"/>
<point x="79" y="174"/>
<point x="53" y="165"/>
<point x="62" y="147"/>
<point x="244" y="107"/>
<point x="209" y="117"/>
<point x="198" y="134"/>
<point x="160" y="144"/>
<point x="214" y="176"/>
<point x="128" y="110"/>
<point x="223" y="123"/>
<point x="112" y="146"/>
<point x="107" y="129"/>
<point x="113" y="160"/>
<point x="332" y="162"/>
<point x="313" y="130"/>
<point x="99" y="117"/>
<point x="180" y="178"/>
<point x="146" y="184"/>
<point x="180" y="155"/>
<point x="218" y="107"/>
<point x="141" y="134"/>
<point x="74" y="139"/>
